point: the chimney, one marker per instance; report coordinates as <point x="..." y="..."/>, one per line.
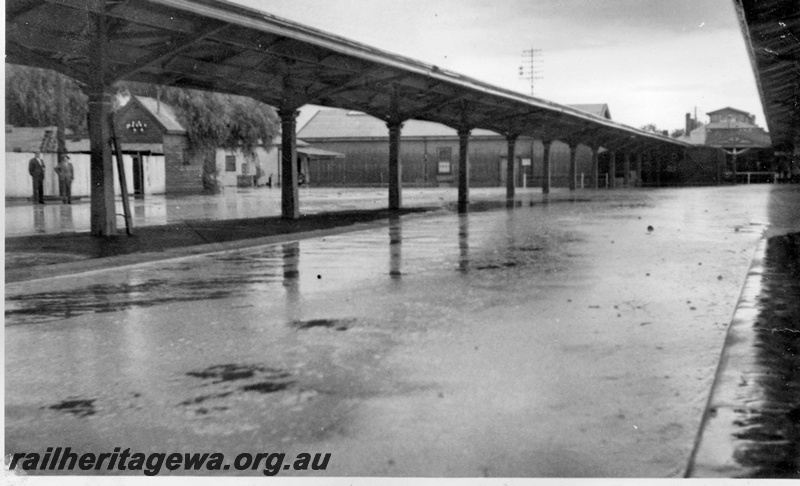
<point x="689" y="124"/>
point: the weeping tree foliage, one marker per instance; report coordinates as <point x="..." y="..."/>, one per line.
<point x="215" y="120"/>
<point x="31" y="98"/>
<point x="211" y="120"/>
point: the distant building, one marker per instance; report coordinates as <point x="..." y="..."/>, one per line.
<point x="429" y="153"/>
<point x="748" y="145"/>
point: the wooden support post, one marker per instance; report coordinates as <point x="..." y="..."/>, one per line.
<point x="627" y="166"/>
<point x="102" y="205"/>
<point x="395" y="166"/>
<point x="639" y="169"/>
<point x="612" y="169"/>
<point x="546" y="166"/>
<point x="596" y="166"/>
<point x="511" y="166"/>
<point x="463" y="169"/>
<point x="573" y="166"/>
<point x="103" y="217"/>
<point x="658" y="169"/>
<point x="290" y="203"/>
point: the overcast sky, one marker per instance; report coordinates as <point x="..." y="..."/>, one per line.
<point x="652" y="61"/>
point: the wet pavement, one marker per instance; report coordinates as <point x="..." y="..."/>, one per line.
<point x="575" y="336"/>
<point x="23" y="218"/>
<point x="751" y="428"/>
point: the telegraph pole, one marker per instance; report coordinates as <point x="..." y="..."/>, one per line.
<point x="530" y="70"/>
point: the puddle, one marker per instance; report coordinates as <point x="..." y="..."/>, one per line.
<point x="491" y="266"/>
<point x="232" y="372"/>
<point x="335" y="324"/>
<point x="262" y="379"/>
<point x="80" y="407"/>
<point x="266" y="387"/>
<point x="203" y="398"/>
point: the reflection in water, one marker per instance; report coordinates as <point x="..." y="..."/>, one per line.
<point x="66" y="222"/>
<point x="212" y="277"/>
<point x="291" y="277"/>
<point x="463" y="243"/>
<point x="395" y="247"/>
<point x="769" y="425"/>
<point x="38" y="219"/>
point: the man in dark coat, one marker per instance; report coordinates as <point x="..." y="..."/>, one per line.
<point x="36" y="170"/>
<point x="65" y="175"/>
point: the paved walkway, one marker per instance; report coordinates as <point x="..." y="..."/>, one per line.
<point x="53" y="239"/>
<point x="559" y="338"/>
<point x="23" y="219"/>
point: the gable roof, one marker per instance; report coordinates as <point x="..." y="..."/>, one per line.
<point x="160" y="111"/>
<point x="727" y="108"/>
<point x="597" y="109"/>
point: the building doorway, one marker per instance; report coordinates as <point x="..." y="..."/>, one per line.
<point x="138" y="176"/>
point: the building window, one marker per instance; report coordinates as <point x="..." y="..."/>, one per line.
<point x="230" y="163"/>
<point x="445" y="154"/>
<point x="245" y="168"/>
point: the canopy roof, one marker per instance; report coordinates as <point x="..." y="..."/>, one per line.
<point x="772" y="33"/>
<point x="218" y="46"/>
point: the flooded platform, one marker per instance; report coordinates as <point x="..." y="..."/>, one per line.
<point x="572" y="337"/>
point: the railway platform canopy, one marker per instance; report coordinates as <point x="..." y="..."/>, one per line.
<point x="218" y="46"/>
<point x="771" y="30"/>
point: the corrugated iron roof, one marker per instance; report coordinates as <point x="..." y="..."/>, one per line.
<point x="342" y="124"/>
<point x="728" y="135"/>
<point x="25" y="139"/>
<point x="29" y="139"/>
<point x="771" y="30"/>
<point x="317" y="152"/>
<point x="217" y="46"/>
<point x="596" y="109"/>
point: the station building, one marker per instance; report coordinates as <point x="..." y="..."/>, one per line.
<point x="429" y="154"/>
<point x="748" y="146"/>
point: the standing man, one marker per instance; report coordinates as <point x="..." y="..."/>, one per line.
<point x="65" y="176"/>
<point x="36" y="170"/>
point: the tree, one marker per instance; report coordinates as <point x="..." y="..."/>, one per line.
<point x="31" y="98"/>
<point x="678" y="133"/>
<point x="650" y="127"/>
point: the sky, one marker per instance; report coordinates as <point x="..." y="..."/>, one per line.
<point x="651" y="61"/>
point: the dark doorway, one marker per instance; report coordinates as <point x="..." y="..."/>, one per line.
<point x="138" y="177"/>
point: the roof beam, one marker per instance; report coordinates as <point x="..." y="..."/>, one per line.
<point x="352" y="82"/>
<point x="441" y="103"/>
<point x="14" y="50"/>
<point x="166" y="53"/>
<point x="21" y="9"/>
